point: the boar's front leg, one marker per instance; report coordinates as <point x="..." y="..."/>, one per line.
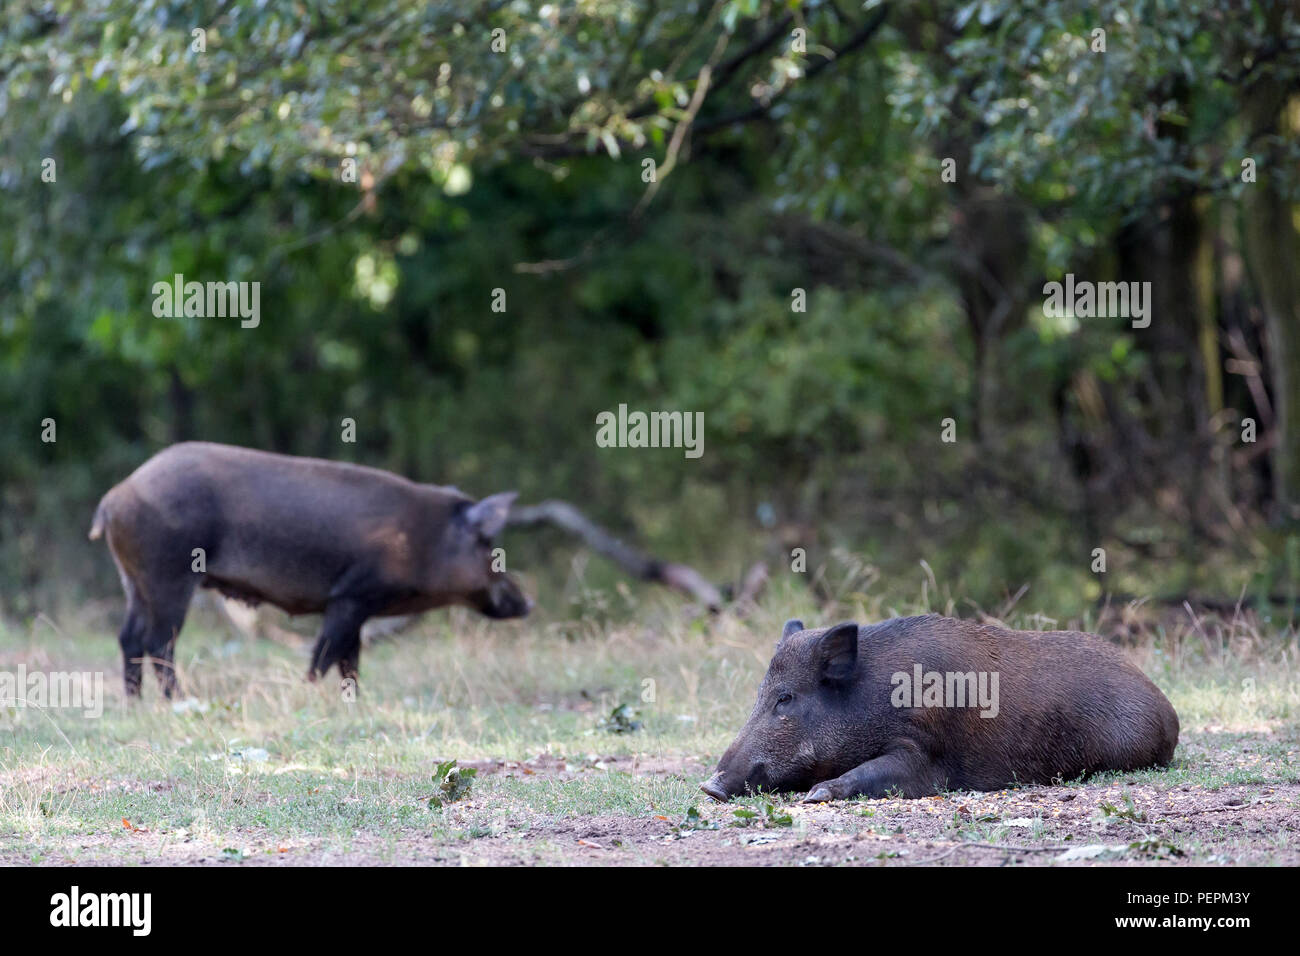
<point x="902" y="770"/>
<point x="340" y="639"/>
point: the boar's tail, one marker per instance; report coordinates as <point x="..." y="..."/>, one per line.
<point x="97" y="525"/>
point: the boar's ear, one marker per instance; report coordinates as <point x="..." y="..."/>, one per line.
<point x="488" y="516"/>
<point x="792" y="626"/>
<point x="836" y="653"/>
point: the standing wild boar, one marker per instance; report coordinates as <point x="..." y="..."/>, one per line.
<point x="304" y="534"/>
<point x="921" y="704"/>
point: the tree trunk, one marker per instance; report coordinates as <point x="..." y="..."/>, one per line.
<point x="1273" y="259"/>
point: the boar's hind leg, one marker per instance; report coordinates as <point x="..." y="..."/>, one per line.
<point x="131" y="640"/>
<point x="166" y="617"/>
<point x="904" y="771"/>
<point x="340" y="640"/>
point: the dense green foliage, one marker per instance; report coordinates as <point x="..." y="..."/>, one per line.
<point x="782" y="165"/>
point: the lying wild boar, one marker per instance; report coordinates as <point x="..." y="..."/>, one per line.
<point x="304" y="534"/>
<point x="921" y="704"/>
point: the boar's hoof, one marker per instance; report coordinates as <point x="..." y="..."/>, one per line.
<point x="819" y="794"/>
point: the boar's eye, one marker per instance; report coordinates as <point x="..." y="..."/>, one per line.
<point x="784" y="699"/>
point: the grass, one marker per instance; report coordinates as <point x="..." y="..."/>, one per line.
<point x="259" y="764"/>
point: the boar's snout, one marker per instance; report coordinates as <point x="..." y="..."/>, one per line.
<point x="505" y="599"/>
<point x="728" y="782"/>
<point x="714" y="787"/>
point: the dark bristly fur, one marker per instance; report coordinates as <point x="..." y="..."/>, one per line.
<point x="1069" y="704"/>
<point x="304" y="534"/>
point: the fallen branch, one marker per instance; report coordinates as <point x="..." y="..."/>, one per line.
<point x="567" y="518"/>
<point x="752" y="585"/>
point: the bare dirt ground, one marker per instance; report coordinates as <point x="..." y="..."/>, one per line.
<point x="1121" y="822"/>
<point x="1127" y="822"/>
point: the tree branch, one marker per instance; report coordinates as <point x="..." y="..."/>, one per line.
<point x="567" y="518"/>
